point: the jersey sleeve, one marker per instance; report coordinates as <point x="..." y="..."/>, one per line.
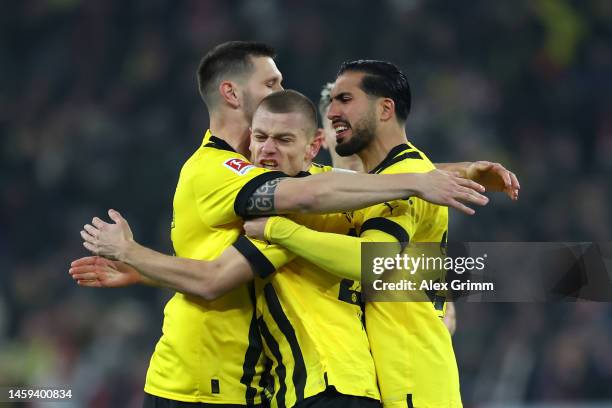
<point x="263" y="257"/>
<point x="223" y="191"/>
<point x="337" y="254"/>
<point x="395" y="218"/>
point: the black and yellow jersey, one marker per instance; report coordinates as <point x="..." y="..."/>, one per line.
<point x="210" y="351"/>
<point x="411" y="346"/>
<point x="311" y="324"/>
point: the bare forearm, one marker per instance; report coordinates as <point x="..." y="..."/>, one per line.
<point x="181" y="274"/>
<point x="337" y="191"/>
<point x="207" y="279"/>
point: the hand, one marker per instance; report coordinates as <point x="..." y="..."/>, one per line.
<point x="448" y="188"/>
<point x="255" y="228"/>
<point x="494" y="177"/>
<point x="98" y="272"/>
<point x="108" y="240"/>
<point x="450" y="318"/>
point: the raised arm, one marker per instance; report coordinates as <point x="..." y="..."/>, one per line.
<point x="340" y="191"/>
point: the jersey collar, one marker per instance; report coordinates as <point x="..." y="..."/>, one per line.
<point x="388" y="160"/>
<point x="216" y="143"/>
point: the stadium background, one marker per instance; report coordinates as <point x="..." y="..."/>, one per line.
<point x="99" y="108"/>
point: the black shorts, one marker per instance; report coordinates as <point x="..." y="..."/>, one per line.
<point x="330" y="398"/>
<point x="152" y="401"/>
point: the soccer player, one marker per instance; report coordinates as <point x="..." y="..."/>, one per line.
<point x="209" y="351"/>
<point x="475" y="171"/>
<point x="411" y="347"/>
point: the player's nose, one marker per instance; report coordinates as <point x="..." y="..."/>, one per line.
<point x="269" y="146"/>
<point x="333" y="112"/>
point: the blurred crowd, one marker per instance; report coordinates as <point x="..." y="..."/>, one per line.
<point x="99" y="108"/>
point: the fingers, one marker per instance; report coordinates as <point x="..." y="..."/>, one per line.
<point x="514" y="181"/>
<point x="461" y="207"/>
<point x="98" y="223"/>
<point x="93" y="231"/>
<point x="89" y="283"/>
<point x="87" y="237"/>
<point x="470" y="184"/>
<point x="83" y="269"/>
<point x="90" y="247"/>
<point x="483" y="165"/>
<point x="503" y="173"/>
<point x="471" y="196"/>
<point x="87" y="260"/>
<point x="85" y="276"/>
<point x="115" y="216"/>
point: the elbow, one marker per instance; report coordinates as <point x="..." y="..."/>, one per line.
<point x="207" y="288"/>
<point x="206" y="293"/>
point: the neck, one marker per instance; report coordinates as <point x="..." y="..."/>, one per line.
<point x="351" y="162"/>
<point x="385" y="140"/>
<point x="233" y="128"/>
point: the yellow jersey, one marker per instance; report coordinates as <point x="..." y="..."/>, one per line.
<point x="210" y="351"/>
<point x="311" y="324"/>
<point x="412" y="349"/>
<point x="411" y="346"/>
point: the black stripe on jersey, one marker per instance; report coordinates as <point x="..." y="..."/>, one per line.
<point x="283" y="323"/>
<point x="266" y="382"/>
<point x="390" y="227"/>
<point x="261" y="265"/>
<point x="220" y="144"/>
<point x="253" y="352"/>
<point x="242" y="199"/>
<point x="409" y="401"/>
<point x="394" y="156"/>
<point x="281" y="371"/>
<point x="392" y="153"/>
<point x="408" y="155"/>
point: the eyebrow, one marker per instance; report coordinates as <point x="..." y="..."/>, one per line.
<point x="275" y="135"/>
<point x="275" y="78"/>
<point x="339" y="96"/>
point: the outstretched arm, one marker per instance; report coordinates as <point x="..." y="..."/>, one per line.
<point x="341" y="191"/>
<point x="207" y="279"/>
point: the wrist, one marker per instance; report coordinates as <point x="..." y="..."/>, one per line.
<point x="128" y="252"/>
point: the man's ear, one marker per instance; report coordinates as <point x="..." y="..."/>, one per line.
<point x="229" y="93"/>
<point x="321" y="135"/>
<point x="386" y="108"/>
<point x="315" y="145"/>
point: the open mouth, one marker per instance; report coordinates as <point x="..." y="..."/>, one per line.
<point x="268" y="163"/>
<point x="342" y="129"/>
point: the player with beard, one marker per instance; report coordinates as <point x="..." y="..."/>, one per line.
<point x="411" y="346"/>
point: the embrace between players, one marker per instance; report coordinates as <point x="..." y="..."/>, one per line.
<point x="277" y="318"/>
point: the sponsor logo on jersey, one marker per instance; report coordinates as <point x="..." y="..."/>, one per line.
<point x="239" y="166"/>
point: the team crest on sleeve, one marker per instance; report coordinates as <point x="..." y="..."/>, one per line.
<point x="239" y="166"/>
